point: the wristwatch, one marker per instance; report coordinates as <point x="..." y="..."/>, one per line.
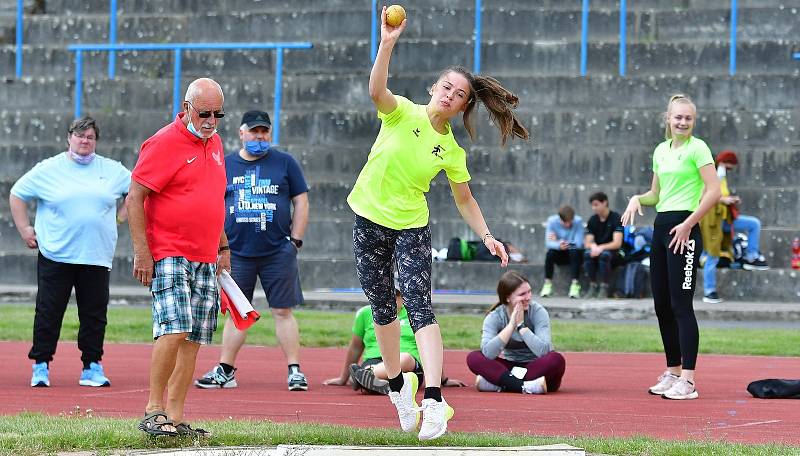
<point x="297" y="242"/>
<point x="520" y="326"/>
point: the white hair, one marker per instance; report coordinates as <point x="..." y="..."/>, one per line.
<point x="196" y="88"/>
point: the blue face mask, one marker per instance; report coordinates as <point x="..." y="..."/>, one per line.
<point x="81" y="159"/>
<point x="192" y="130"/>
<point x="257" y="148"/>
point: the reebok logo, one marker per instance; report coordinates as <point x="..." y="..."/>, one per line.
<point x="688" y="268"/>
<point x="191" y="159"/>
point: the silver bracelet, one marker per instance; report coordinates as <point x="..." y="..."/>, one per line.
<point x="487" y="235"/>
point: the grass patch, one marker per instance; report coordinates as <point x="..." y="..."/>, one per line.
<point x="34" y="434"/>
<point x="332" y="329"/>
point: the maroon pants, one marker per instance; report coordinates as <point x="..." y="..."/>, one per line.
<point x="550" y="366"/>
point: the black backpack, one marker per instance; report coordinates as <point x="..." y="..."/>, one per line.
<point x="773" y="388"/>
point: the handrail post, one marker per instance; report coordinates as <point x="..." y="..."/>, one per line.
<point x="112" y="37"/>
<point x="623" y="16"/>
<point x="734" y="19"/>
<point x="276" y="106"/>
<point x="176" y="82"/>
<point x="20" y="11"/>
<point x="584" y="34"/>
<point x="373" y="31"/>
<point x="476" y="58"/>
<point x="78" y="82"/>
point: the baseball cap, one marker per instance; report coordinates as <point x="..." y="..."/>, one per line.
<point x="256" y="119"/>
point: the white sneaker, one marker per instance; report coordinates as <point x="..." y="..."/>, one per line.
<point x="537" y="386"/>
<point x="682" y="389"/>
<point x="434" y="418"/>
<point x="665" y="382"/>
<point x="483" y="385"/>
<point x="406" y="403"/>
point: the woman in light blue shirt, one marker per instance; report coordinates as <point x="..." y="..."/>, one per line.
<point x="76" y="194"/>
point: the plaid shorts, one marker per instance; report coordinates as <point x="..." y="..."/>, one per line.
<point x="185" y="299"/>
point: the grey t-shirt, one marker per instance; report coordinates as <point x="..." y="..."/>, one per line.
<point x="520" y="347"/>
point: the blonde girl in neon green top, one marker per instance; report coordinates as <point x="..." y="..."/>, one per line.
<point x="685" y="186"/>
<point x="391" y="228"/>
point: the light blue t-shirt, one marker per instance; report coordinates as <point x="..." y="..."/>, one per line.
<point x="76" y="209"/>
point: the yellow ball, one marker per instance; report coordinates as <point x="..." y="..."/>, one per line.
<point x="395" y="15"/>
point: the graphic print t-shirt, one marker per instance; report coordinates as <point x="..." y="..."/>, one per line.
<point x="258" y="219"/>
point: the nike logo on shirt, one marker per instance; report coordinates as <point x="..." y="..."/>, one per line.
<point x="191" y="160"/>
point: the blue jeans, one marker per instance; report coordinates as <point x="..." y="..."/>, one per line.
<point x="751" y="226"/>
<point x="601" y="265"/>
<point x="710" y="274"/>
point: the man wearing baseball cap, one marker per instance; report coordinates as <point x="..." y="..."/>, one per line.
<point x="266" y="213"/>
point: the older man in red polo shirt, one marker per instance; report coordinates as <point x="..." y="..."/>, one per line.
<point x="176" y="208"/>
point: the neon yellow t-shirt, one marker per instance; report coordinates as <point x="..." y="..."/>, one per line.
<point x="678" y="175"/>
<point x="407" y="154"/>
<point x="364" y="329"/>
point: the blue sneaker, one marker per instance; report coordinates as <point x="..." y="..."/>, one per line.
<point x="41" y="375"/>
<point x="94" y="376"/>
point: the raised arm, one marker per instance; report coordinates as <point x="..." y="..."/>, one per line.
<point x="379" y="76"/>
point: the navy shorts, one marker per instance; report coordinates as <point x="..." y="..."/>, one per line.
<point x="278" y="274"/>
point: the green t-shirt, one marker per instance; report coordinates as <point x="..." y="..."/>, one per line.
<point x="678" y="176"/>
<point x="363" y="328"/>
<point x="407" y="154"/>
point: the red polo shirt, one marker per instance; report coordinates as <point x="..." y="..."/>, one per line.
<point x="185" y="212"/>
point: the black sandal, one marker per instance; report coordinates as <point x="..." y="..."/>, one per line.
<point x="185" y="429"/>
<point x="152" y="427"/>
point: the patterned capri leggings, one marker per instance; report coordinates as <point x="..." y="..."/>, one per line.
<point x="376" y="249"/>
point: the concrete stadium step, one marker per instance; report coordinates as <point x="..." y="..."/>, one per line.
<point x="550" y="58"/>
<point x="303" y="90"/>
<point x="524" y="22"/>
<point x="774" y="285"/>
<point x="603" y="129"/>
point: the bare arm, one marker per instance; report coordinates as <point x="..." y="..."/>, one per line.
<point x="615" y="244"/>
<point x="224" y="255"/>
<point x="649" y="198"/>
<point x="379" y="76"/>
<point x="142" y="258"/>
<point x="471" y="213"/>
<point x="299" y="215"/>
<point x="19" y="212"/>
<point x="354" y="350"/>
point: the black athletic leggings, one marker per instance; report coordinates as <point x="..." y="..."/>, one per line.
<point x="673" y="277"/>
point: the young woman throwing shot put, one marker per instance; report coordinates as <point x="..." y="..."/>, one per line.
<point x="685" y="186"/>
<point x="414" y="144"/>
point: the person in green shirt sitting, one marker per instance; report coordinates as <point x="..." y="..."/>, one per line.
<point x="370" y="375"/>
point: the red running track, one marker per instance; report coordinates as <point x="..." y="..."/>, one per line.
<point x="603" y="394"/>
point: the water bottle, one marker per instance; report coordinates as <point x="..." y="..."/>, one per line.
<point x="796" y="253"/>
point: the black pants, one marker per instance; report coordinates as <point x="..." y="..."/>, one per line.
<point x="573" y="257"/>
<point x="91" y="293"/>
<point x="673" y="277"/>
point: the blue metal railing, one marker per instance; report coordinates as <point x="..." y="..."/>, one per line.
<point x="112" y="37"/>
<point x="623" y="16"/>
<point x="476" y="59"/>
<point x="796" y="55"/>
<point x="177" y="48"/>
<point x="373" y="31"/>
<point x="734" y="19"/>
<point x="584" y="34"/>
<point x="19" y="38"/>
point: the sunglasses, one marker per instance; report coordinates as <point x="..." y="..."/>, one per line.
<point x="206" y="114"/>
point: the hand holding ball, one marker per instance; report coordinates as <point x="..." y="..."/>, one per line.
<point x="395" y="15"/>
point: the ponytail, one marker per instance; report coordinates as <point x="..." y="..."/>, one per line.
<point x="497" y="100"/>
